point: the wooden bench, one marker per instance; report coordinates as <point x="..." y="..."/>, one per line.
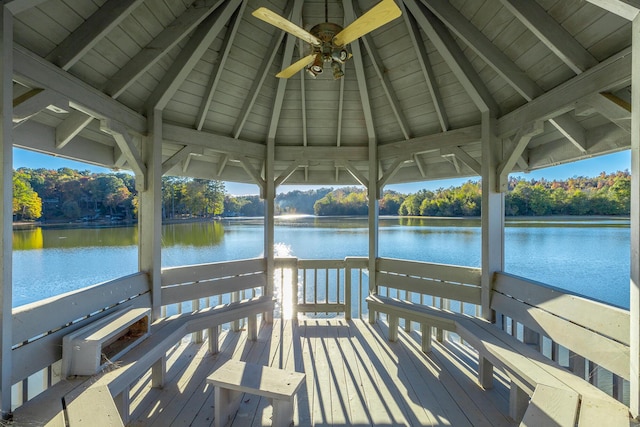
<point x="234" y="378"/>
<point x="527" y="368"/>
<point x="87" y="349"/>
<point x="148" y="354"/>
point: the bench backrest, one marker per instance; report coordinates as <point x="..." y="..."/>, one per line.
<point x="594" y="330"/>
<point x="180" y="284"/>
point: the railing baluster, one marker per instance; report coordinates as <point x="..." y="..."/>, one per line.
<point x="347" y="291"/>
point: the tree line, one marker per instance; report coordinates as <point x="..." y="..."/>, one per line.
<point x="67" y="194"/>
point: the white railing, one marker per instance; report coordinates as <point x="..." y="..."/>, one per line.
<point x="322" y="287"/>
<point x="38" y="329"/>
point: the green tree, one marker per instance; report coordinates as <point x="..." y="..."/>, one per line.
<point x="27" y="205"/>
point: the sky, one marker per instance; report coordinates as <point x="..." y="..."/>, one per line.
<point x="591" y="167"/>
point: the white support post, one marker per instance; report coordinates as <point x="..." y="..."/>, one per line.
<point x="6" y="126"/>
<point x="634" y="288"/>
<point x="492" y="219"/>
<point x="150" y="212"/>
<point x="269" y="225"/>
<point x="373" y="192"/>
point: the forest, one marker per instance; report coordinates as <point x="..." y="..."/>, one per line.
<point x="70" y="195"/>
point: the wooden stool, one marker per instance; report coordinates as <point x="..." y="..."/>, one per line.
<point x="234" y="378"/>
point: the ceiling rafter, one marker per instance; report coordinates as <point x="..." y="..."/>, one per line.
<point x="71" y="126"/>
<point x="627" y="9"/>
<point x="349" y="17"/>
<point x="32" y="102"/>
<point x="17" y="6"/>
<point x="520" y="142"/>
<point x="425" y="66"/>
<point x="609" y="106"/>
<point x="264" y="71"/>
<point x="355" y="173"/>
<point x="168" y="38"/>
<point x="340" y="112"/>
<point x="463" y="156"/>
<point x="571" y="129"/>
<point x="303" y="100"/>
<point x="219" y="64"/>
<point x="287" y="59"/>
<point x="453" y="56"/>
<point x="197" y="45"/>
<point x="180" y="156"/>
<point x="610" y="73"/>
<point x="552" y="34"/>
<point x="484" y="48"/>
<point x="383" y="76"/>
<point x="500" y="63"/>
<point x="91" y="31"/>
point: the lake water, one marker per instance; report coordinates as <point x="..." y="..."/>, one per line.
<point x="590" y="257"/>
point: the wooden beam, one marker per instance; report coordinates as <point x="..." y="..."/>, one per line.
<point x="483" y="47"/>
<point x="389" y="173"/>
<point x="35" y="71"/>
<point x="385" y="82"/>
<point x="463" y="156"/>
<point x="611" y="107"/>
<point x="521" y="140"/>
<point x="418" y="162"/>
<point x="612" y="73"/>
<point x="572" y="130"/>
<point x="361" y="77"/>
<point x="264" y="70"/>
<point x="627" y="9"/>
<point x="6" y="217"/>
<point x="453" y="56"/>
<point x="552" y="34"/>
<point x="293" y="153"/>
<point x="288" y="172"/>
<point x="36" y="100"/>
<point x="355" y="173"/>
<point x="254" y="174"/>
<point x="70" y="127"/>
<point x="219" y="143"/>
<point x="180" y="156"/>
<point x="197" y="45"/>
<point x="132" y="153"/>
<point x="303" y="99"/>
<point x="425" y="67"/>
<point x="219" y="64"/>
<point x="287" y="56"/>
<point x="175" y="32"/>
<point x="91" y="31"/>
<point x="17" y="6"/>
<point x="423" y="144"/>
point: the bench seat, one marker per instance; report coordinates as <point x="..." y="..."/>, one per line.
<point x="148" y="354"/>
<point x="526" y="367"/>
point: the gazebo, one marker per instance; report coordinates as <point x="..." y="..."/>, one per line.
<point x="449" y="88"/>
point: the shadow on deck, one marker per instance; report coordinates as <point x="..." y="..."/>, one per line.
<point x="354" y="376"/>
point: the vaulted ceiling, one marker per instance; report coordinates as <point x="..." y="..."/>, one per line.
<point x="555" y="74"/>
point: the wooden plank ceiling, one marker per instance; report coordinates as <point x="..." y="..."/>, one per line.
<point x="555" y="74"/>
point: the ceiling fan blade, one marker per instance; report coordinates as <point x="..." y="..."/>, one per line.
<point x="377" y="16"/>
<point x="295" y="67"/>
<point x="278" y="21"/>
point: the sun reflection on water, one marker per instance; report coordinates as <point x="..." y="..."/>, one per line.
<point x="284" y="276"/>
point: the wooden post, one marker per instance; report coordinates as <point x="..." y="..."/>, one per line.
<point x="269" y="192"/>
<point x="6" y="231"/>
<point x="373" y="221"/>
<point x="492" y="217"/>
<point x="150" y="213"/>
<point x="634" y="288"/>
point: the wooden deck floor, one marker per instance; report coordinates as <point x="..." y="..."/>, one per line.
<point x="353" y="377"/>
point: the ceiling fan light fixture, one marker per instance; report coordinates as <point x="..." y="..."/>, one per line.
<point x="340" y="55"/>
<point x="337" y="70"/>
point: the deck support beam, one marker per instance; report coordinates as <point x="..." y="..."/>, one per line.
<point x="150" y="217"/>
<point x="634" y="291"/>
<point x="6" y="231"/>
<point x="269" y="190"/>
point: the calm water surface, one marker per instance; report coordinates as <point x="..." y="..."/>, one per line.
<point x="590" y="257"/>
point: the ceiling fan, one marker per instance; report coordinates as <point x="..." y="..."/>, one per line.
<point x="328" y="41"/>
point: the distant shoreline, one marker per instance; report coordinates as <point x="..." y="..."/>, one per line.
<point x="107" y="224"/>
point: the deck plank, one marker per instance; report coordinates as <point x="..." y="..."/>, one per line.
<point x="353" y="376"/>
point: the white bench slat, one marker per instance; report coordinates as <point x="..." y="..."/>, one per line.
<point x="256" y="379"/>
<point x="599" y="412"/>
<point x="551" y="406"/>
